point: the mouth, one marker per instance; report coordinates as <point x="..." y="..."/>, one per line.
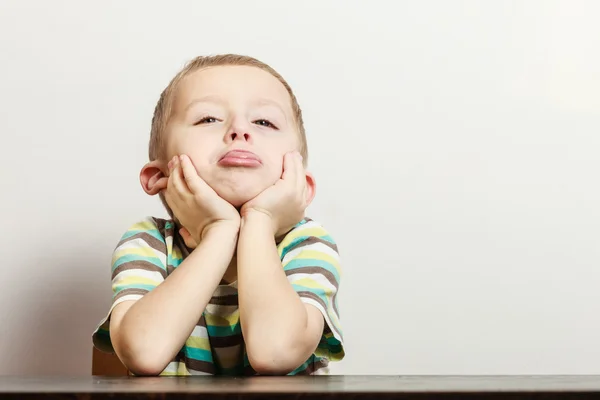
<point x="240" y="158"/>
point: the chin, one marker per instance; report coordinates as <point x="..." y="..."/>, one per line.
<point x="237" y="198"/>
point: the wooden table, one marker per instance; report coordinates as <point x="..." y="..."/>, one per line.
<point x="309" y="387"/>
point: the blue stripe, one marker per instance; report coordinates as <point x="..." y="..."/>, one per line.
<point x="300" y="239"/>
<point x="198" y="354"/>
<point x="152" y="232"/>
<point x="135" y="257"/>
<point x="221" y="331"/>
<point x="175" y="262"/>
<point x="312" y="262"/>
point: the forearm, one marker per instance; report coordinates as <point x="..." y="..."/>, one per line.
<point x="155" y="328"/>
<point x="274" y="319"/>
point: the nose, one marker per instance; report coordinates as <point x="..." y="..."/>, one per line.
<point x="239" y="130"/>
<point x="239" y="136"/>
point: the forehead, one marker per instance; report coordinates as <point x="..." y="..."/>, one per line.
<point x="235" y="83"/>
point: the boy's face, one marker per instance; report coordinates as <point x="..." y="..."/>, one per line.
<point x="236" y="124"/>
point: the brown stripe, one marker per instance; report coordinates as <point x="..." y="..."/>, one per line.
<point x="318" y="270"/>
<point x="334" y="303"/>
<point x="226" y="341"/>
<point x="314" y="367"/>
<point x="149" y="239"/>
<point x="201" y="366"/>
<point x="311" y="295"/>
<point x="160" y="224"/>
<point x="196" y="365"/>
<point x="178" y="240"/>
<point x="139" y="264"/>
<point x="127" y="292"/>
<point x="313" y="240"/>
<point x="229" y="300"/>
<point x="314" y="270"/>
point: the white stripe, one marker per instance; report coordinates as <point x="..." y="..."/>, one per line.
<point x="141" y="243"/>
<point x="320" y="279"/>
<point x="128" y="297"/>
<point x="194" y="372"/>
<point x="319" y="247"/>
<point x="171" y="367"/>
<point x="154" y="276"/>
<point x="199" y="332"/>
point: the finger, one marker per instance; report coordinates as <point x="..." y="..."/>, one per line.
<point x="300" y="175"/>
<point x="289" y="168"/>
<point x="159" y="183"/>
<point x="178" y="180"/>
<point x="191" y="177"/>
<point x="187" y="238"/>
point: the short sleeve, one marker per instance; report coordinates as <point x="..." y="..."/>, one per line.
<point x="138" y="265"/>
<point x="311" y="263"/>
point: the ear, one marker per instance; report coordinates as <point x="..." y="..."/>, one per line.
<point x="311" y="187"/>
<point x="152" y="177"/>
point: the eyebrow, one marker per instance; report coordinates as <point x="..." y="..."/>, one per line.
<point x="205" y="99"/>
<point x="269" y="102"/>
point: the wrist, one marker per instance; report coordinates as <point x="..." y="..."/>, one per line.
<point x="253" y="219"/>
<point x="222" y="233"/>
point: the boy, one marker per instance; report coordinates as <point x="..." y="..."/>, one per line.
<point x="238" y="281"/>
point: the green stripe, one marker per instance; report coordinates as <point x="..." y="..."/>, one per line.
<point x="198" y="354"/>
<point x="312" y="262"/>
<point x="135" y="257"/>
<point x="152" y="232"/>
<point x="303" y="366"/>
<point x="300" y="239"/>
<point x="222" y="331"/>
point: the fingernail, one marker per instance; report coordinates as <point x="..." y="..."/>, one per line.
<point x="181" y="158"/>
<point x="170" y="164"/>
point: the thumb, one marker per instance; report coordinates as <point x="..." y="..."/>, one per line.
<point x="187" y="238"/>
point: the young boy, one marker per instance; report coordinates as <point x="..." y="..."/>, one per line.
<point x="238" y="281"/>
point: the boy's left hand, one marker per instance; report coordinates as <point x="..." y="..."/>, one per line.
<point x="286" y="201"/>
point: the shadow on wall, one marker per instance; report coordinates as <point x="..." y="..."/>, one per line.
<point x="50" y="332"/>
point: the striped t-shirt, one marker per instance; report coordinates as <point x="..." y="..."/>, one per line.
<point x="150" y="250"/>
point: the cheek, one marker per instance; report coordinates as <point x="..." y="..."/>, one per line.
<point x="274" y="167"/>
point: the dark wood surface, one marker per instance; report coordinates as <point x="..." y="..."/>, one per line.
<point x="326" y="387"/>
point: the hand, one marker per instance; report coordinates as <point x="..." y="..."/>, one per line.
<point x="195" y="204"/>
<point x="286" y="201"/>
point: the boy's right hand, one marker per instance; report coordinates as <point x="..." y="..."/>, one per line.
<point x="195" y="204"/>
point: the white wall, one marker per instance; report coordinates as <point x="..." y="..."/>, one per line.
<point x="456" y="147"/>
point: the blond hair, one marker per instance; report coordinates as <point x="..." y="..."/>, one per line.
<point x="163" y="109"/>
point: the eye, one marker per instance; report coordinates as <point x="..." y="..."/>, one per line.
<point x="265" y="123"/>
<point x="206" y="120"/>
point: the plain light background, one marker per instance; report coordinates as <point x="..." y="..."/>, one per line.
<point x="455" y="144"/>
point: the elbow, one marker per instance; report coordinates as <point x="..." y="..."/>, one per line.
<point x="273" y="358"/>
<point x="141" y="361"/>
<point x="139" y="367"/>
